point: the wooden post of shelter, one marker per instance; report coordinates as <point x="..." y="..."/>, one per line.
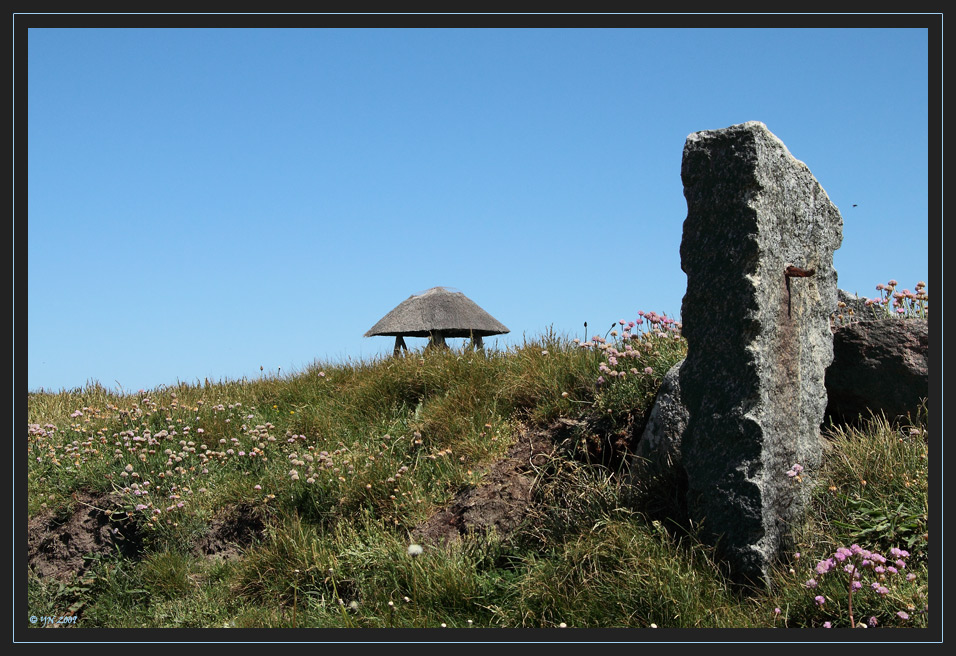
<point x="436" y="340"/>
<point x="476" y="343"/>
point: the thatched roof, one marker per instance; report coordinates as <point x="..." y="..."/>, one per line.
<point x="438" y="310"/>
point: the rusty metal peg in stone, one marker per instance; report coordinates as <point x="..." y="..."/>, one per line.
<point x="796" y="272"/>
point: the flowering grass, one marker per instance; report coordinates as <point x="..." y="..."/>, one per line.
<point x="342" y="461"/>
<point x="888" y="303"/>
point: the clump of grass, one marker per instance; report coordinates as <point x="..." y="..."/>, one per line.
<point x="863" y="555"/>
<point x="625" y="573"/>
<point x="878" y="490"/>
<point x="166" y="574"/>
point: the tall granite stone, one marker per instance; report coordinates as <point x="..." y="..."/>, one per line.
<point x="757" y="249"/>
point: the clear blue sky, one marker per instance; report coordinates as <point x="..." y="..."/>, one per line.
<point x="203" y="202"/>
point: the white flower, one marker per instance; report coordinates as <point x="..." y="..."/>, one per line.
<point x="414" y="550"/>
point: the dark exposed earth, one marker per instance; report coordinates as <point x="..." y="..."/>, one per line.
<point x="500" y="502"/>
<point x="61" y="546"/>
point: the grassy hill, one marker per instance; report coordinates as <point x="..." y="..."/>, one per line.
<point x="315" y="500"/>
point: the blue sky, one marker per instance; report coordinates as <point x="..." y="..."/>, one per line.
<point x="206" y="202"/>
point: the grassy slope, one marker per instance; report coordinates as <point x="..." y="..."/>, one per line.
<point x="349" y="458"/>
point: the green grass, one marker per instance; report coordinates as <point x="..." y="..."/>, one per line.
<point x="349" y="458"/>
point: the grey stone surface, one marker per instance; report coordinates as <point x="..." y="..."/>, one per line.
<point x="658" y="483"/>
<point x="878" y="366"/>
<point x="759" y="341"/>
<point x="659" y="448"/>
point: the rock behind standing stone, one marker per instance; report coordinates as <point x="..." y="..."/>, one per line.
<point x="657" y="478"/>
<point x="662" y="435"/>
<point x="880" y="367"/>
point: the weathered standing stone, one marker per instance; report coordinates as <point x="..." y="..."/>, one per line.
<point x="757" y="249"/>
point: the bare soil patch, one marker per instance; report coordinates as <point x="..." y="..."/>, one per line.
<point x="232" y="530"/>
<point x="60" y="547"/>
<point x="500" y="502"/>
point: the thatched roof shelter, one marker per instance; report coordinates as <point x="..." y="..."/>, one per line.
<point x="437" y="313"/>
